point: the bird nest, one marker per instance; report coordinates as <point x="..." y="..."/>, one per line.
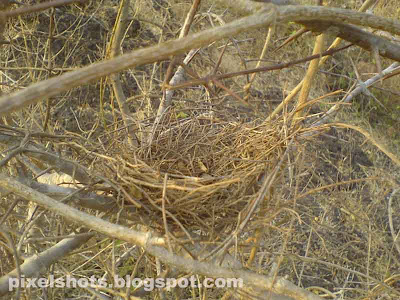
<point x="199" y="173"/>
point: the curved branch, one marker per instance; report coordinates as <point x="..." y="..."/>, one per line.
<point x="357" y="36"/>
<point x="300" y="13"/>
<point x="56" y="85"/>
<point x="35" y="264"/>
<point x="150" y="244"/>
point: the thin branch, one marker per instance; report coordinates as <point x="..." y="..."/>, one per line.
<point x="364" y="39"/>
<point x="280" y="286"/>
<point x="4" y="284"/>
<point x="82" y="199"/>
<point x="280" y="66"/>
<point x="310" y="75"/>
<point x="360" y="88"/>
<point x="116" y="231"/>
<point x="37" y="7"/>
<point x="115" y="45"/>
<point x="32" y="266"/>
<point x="179" y="74"/>
<point x="367" y="4"/>
<point x="54" y="86"/>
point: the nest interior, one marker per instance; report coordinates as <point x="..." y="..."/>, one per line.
<point x="205" y="170"/>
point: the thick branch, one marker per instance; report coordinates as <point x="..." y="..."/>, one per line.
<point x="116" y="42"/>
<point x="357" y="36"/>
<point x="279" y="286"/>
<point x="56" y="85"/>
<point x="299" y="13"/>
<point x="33" y="266"/>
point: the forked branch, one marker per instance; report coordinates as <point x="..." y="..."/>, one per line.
<point x="56" y="85"/>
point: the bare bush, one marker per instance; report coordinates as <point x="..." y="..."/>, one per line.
<point x="145" y="139"/>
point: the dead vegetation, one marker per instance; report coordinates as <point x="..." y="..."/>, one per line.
<point x="167" y="166"/>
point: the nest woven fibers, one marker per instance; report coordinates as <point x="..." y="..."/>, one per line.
<point x="203" y="172"/>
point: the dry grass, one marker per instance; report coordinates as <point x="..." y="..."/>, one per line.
<point x="324" y="221"/>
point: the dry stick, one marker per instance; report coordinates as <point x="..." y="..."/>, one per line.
<point x="16" y="151"/>
<point x="300" y="13"/>
<point x="117" y="231"/>
<point x="34" y="265"/>
<point x="179" y="75"/>
<point x="367" y="4"/>
<point x="56" y="238"/>
<point x="4" y="284"/>
<point x="361" y="87"/>
<point x="145" y="240"/>
<point x="169" y="93"/>
<point x="101" y="296"/>
<point x="120" y="26"/>
<point x="54" y="86"/>
<point x="60" y="164"/>
<point x="313" y="101"/>
<point x="280" y="66"/>
<point x="353" y="34"/>
<point x="219" y="84"/>
<point x="247" y="87"/>
<point x="77" y="172"/>
<point x="247" y="213"/>
<point x="9" y="209"/>
<point x="280" y="286"/>
<point x="134" y="271"/>
<point x="38" y="7"/>
<point x="164" y="215"/>
<point x="256" y="244"/>
<point x="50" y="67"/>
<point x="293" y="37"/>
<point x="82" y="199"/>
<point x="310" y="75"/>
<point x="66" y="166"/>
<point x="366" y="40"/>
